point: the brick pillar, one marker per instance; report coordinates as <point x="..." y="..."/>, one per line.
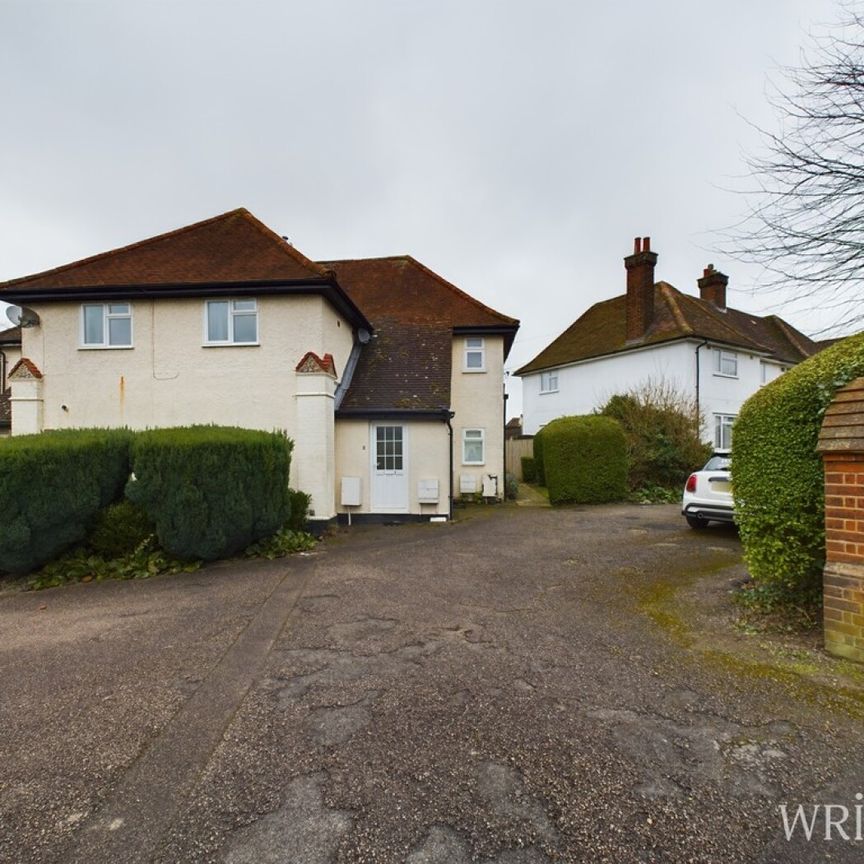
<point x="841" y="442"/>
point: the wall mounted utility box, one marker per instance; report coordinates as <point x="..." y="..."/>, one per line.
<point x="351" y="492"/>
<point x="427" y="491"/>
<point x="467" y="484"/>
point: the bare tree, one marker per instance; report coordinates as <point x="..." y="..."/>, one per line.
<point x="806" y="220"/>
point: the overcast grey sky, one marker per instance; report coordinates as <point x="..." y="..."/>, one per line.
<point x="515" y="148"/>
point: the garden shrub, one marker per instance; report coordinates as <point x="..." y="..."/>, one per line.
<point x="300" y="502"/>
<point x="539" y="467"/>
<point x="119" y="530"/>
<point x="52" y="485"/>
<point x="511" y="486"/>
<point x="585" y="460"/>
<point x="211" y="490"/>
<point x="778" y="475"/>
<point x="529" y="469"/>
<point x="662" y="429"/>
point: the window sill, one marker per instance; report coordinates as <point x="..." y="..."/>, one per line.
<point x="547" y="392"/>
<point x="724" y="375"/>
<point x="473" y="464"/>
<point x="230" y="344"/>
<point x="105" y="347"/>
<point x="473" y="371"/>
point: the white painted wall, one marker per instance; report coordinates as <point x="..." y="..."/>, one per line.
<point x="427" y="460"/>
<point x="477" y="398"/>
<point x="169" y="378"/>
<point x="584" y="387"/>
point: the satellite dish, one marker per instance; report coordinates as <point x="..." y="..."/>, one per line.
<point x="13" y="313"/>
<point x="363" y="336"/>
<point x="28" y="318"/>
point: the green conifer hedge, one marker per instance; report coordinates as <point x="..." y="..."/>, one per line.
<point x="211" y="490"/>
<point x="52" y="486"/>
<point x="584" y="460"/>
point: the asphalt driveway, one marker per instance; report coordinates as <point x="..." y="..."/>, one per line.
<point x="515" y="688"/>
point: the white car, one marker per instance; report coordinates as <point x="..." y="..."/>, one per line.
<point x="708" y="493"/>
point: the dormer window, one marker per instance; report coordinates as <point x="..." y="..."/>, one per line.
<point x="106" y="325"/>
<point x="475" y="354"/>
<point x="231" y="322"/>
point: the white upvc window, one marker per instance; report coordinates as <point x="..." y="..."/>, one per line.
<point x="549" y="381"/>
<point x="725" y="363"/>
<point x="473" y="447"/>
<point x="475" y="354"/>
<point x="231" y="322"/>
<point x="106" y="325"/>
<point x="723" y="431"/>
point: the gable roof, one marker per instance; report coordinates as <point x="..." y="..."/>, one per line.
<point x="232" y="247"/>
<point x="602" y="331"/>
<point x="406" y="366"/>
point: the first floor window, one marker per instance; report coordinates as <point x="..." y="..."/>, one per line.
<point x="723" y="430"/>
<point x="475" y="354"/>
<point x="549" y="381"/>
<point x="726" y="363"/>
<point x="232" y="322"/>
<point x="473" y="450"/>
<point x="106" y="325"/>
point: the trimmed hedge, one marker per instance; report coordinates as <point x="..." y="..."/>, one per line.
<point x="778" y="475"/>
<point x="539" y="467"/>
<point x="52" y="485"/>
<point x="529" y="469"/>
<point x="585" y="460"/>
<point x="211" y="490"/>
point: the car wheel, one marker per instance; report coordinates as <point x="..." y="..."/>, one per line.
<point x="696" y="522"/>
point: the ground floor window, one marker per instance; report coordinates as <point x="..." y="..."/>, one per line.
<point x="723" y="430"/>
<point x="473" y="447"/>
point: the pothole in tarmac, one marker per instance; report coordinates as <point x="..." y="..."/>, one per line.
<point x="337" y="723"/>
<point x="444" y="845"/>
<point x="303" y="829"/>
<point x="677" y="756"/>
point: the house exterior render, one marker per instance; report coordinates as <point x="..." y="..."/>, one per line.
<point x="388" y="378"/>
<point x="655" y="334"/>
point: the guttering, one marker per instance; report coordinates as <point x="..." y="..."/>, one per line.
<point x="392" y="414"/>
<point x="699" y="347"/>
<point x="326" y="287"/>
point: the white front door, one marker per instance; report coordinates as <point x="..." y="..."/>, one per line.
<point x="389" y="448"/>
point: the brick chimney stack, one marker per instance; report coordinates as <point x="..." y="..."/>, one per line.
<point x="712" y="286"/>
<point x="640" y="288"/>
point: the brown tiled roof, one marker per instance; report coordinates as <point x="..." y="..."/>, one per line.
<point x="405" y="367"/>
<point x="405" y="290"/>
<point x="11" y="336"/>
<point x="602" y="330"/>
<point x="233" y="247"/>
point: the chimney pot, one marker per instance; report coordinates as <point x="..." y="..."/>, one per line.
<point x="646" y="244"/>
<point x="637" y="245"/>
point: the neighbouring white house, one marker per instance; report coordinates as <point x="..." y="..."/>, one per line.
<point x="654" y="333"/>
<point x="388" y="378"/>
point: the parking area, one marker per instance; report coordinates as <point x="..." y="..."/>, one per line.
<point x="515" y="687"/>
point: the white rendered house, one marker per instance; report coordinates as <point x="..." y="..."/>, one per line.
<point x="654" y="333"/>
<point x="388" y="378"/>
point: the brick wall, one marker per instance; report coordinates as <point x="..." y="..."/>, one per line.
<point x="841" y="442"/>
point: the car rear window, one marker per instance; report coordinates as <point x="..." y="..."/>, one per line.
<point x="717" y="463"/>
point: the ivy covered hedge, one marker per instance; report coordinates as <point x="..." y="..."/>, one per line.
<point x="209" y="491"/>
<point x="584" y="460"/>
<point x="52" y="486"/>
<point x="778" y="475"/>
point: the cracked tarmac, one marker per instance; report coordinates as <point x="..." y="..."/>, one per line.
<point x="489" y="691"/>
